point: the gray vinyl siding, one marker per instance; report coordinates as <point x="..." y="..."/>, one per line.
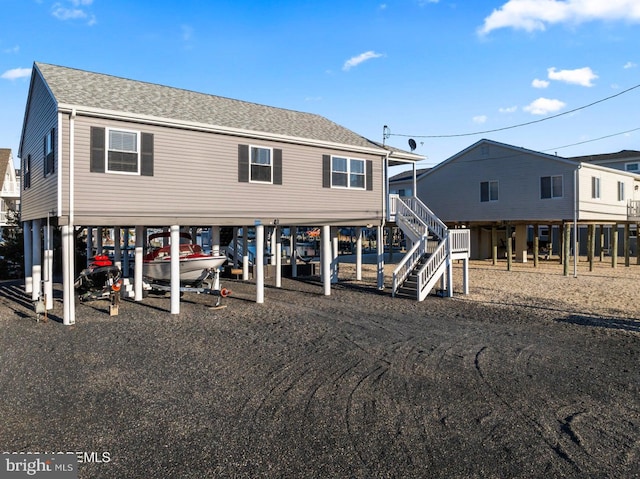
<point x="195" y="181"/>
<point x="453" y="190"/>
<point x="41" y="197"/>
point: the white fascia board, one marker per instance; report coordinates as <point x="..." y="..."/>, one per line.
<point x="609" y="170"/>
<point x="159" y="121"/>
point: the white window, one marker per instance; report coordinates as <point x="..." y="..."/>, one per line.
<point x="260" y="165"/>
<point x="620" y="190"/>
<point x="551" y="187"/>
<point x="49" y="160"/>
<point x="122" y="152"/>
<point x="634" y="167"/>
<point x="595" y="187"/>
<point x="347" y="173"/>
<point x="488" y="191"/>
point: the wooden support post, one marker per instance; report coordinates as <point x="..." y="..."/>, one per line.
<point x="509" y="248"/>
<point x="566" y="248"/>
<point x="494" y="244"/>
<point x="591" y="245"/>
<point x="614" y="246"/>
<point x="536" y="245"/>
<point x="561" y="241"/>
<point x="601" y="243"/>
<point x="627" y="244"/>
<point x="638" y="243"/>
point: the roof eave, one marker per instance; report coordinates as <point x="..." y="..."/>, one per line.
<point x="173" y="123"/>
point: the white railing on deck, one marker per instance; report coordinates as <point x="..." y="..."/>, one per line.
<point x="633" y="209"/>
<point x="460" y="240"/>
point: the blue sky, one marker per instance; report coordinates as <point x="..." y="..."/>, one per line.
<point x="428" y="69"/>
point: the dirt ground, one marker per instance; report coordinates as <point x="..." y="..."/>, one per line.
<point x="531" y="375"/>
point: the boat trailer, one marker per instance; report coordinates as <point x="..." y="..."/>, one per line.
<point x="103" y="280"/>
<point x="207" y="283"/>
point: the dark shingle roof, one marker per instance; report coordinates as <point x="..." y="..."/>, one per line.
<point x="407" y="175"/>
<point x="80" y="88"/>
<point x="621" y="155"/>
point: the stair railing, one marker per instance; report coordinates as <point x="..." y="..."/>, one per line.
<point x="426" y="274"/>
<point x="407" y="264"/>
<point x="422" y="211"/>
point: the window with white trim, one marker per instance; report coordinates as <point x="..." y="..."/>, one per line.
<point x="620" y="190"/>
<point x="551" y="187"/>
<point x="488" y="191"/>
<point x="347" y="173"/>
<point x="49" y="157"/>
<point x="595" y="187"/>
<point x="122" y="152"/>
<point x="633" y="167"/>
<point x="260" y="165"/>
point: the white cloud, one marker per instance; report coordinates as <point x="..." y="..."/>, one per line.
<point x="580" y="76"/>
<point x="532" y="15"/>
<point x="422" y="3"/>
<point x="480" y="119"/>
<point x="357" y="60"/>
<point x="15" y="49"/>
<point x="542" y="106"/>
<point x="536" y="83"/>
<point x="510" y="109"/>
<point x="16" y="73"/>
<point x="71" y="11"/>
<point x="629" y="65"/>
<point x="382" y="6"/>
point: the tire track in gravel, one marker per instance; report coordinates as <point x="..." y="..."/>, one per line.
<point x="554" y="444"/>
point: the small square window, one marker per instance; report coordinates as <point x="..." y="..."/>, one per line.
<point x="488" y="191"/>
<point x="551" y="187"/>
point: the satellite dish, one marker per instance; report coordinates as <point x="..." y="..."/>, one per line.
<point x="412" y="144"/>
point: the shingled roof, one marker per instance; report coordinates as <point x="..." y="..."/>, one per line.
<point x="620" y="155"/>
<point x="78" y="88"/>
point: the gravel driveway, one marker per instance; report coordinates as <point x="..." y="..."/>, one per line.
<point x="357" y="384"/>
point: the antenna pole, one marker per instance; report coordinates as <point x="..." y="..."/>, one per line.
<point x="386" y="133"/>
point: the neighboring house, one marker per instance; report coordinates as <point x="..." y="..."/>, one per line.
<point x="10" y="188"/>
<point x="103" y="151"/>
<point x="625" y="160"/>
<point x="489" y="185"/>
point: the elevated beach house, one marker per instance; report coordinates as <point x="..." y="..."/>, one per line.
<point x="9" y="188"/>
<point x="498" y="191"/>
<point x="101" y="151"/>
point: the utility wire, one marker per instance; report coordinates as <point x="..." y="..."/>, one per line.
<point x="589" y="141"/>
<point x="521" y="124"/>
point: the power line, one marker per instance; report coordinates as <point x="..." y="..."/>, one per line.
<point x="589" y="141"/>
<point x="521" y="124"/>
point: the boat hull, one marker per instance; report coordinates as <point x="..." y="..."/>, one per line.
<point x="190" y="268"/>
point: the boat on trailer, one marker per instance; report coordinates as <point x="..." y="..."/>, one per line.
<point x="193" y="260"/>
